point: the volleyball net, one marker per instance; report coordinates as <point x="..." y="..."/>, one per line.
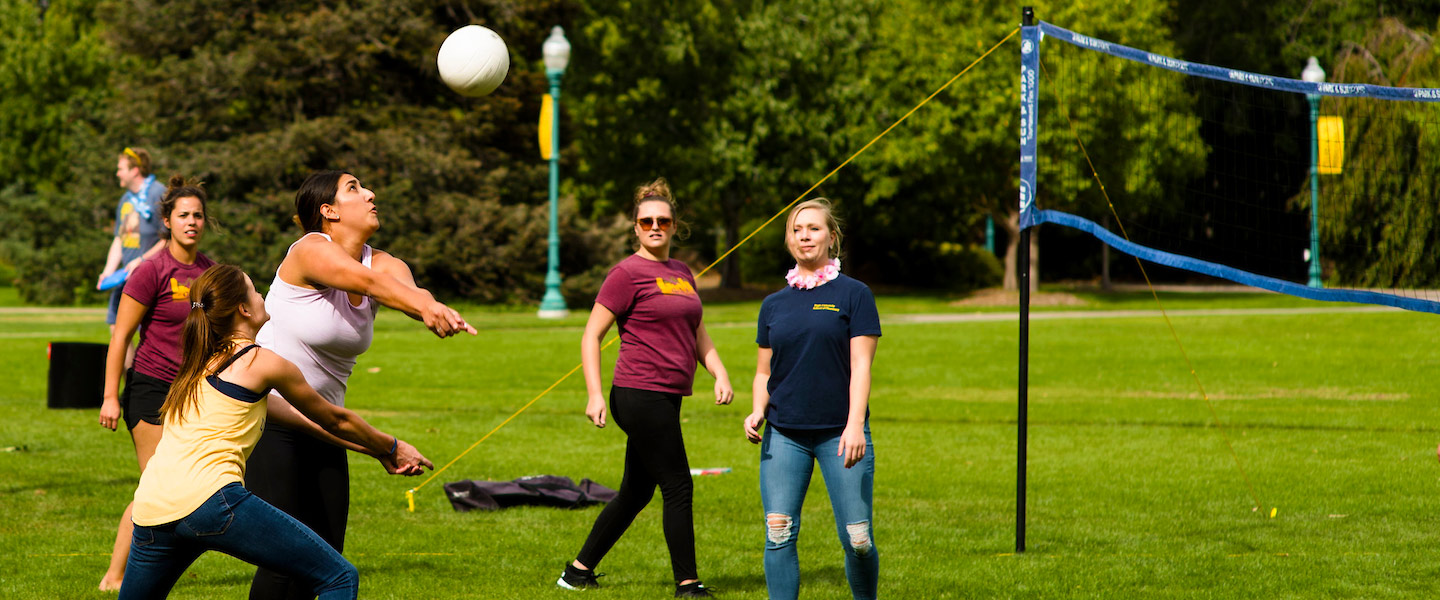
<point x="1209" y="170"/>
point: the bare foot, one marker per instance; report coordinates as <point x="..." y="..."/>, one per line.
<point x="110" y="584"/>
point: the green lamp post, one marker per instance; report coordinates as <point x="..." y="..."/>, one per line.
<point x="557" y="56"/>
<point x="1314" y="74"/>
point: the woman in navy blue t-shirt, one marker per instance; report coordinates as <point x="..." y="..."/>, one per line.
<point x="817" y="339"/>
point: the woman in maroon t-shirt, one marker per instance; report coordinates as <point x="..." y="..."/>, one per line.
<point x="652" y="297"/>
<point x="156" y="301"/>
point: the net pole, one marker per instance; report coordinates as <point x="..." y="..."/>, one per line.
<point x="1022" y="277"/>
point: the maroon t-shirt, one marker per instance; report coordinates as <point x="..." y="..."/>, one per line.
<point x="162" y="284"/>
<point x="658" y="312"/>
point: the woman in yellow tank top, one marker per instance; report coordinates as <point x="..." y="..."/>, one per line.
<point x="192" y="497"/>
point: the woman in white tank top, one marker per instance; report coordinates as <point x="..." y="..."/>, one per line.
<point x="322" y="308"/>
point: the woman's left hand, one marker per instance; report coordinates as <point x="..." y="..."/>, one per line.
<point x="852" y="445"/>
<point x="408" y="460"/>
<point x="723" y="392"/>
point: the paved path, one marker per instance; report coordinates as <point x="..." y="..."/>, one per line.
<point x="50" y="310"/>
<point x="967" y="317"/>
<point x="1126" y="314"/>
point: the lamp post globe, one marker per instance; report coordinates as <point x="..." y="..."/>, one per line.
<point x="556" y="50"/>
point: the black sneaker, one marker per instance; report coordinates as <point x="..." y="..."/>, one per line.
<point x="578" y="579"/>
<point x="693" y="590"/>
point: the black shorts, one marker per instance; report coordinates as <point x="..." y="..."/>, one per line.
<point x="142" y="398"/>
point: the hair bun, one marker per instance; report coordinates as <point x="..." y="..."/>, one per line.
<point x="655" y="189"/>
<point x="176" y="180"/>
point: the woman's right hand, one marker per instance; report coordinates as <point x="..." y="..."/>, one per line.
<point x="595" y="409"/>
<point x="753" y="423"/>
<point x="110" y="413"/>
<point x="444" y="321"/>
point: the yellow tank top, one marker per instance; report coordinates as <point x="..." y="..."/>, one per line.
<point x="199" y="456"/>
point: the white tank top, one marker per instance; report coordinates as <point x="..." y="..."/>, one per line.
<point x="319" y="330"/>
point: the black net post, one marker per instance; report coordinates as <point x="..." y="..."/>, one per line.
<point x="1022" y="276"/>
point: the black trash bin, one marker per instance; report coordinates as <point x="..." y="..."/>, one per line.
<point x="77" y="375"/>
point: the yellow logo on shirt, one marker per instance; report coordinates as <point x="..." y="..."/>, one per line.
<point x="179" y="293"/>
<point x="826" y="307"/>
<point x="679" y="286"/>
<point x="129" y="226"/>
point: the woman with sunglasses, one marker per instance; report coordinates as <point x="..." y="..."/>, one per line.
<point x="652" y="298"/>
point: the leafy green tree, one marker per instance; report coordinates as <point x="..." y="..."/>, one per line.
<point x="252" y="97"/>
<point x="1277" y="36"/>
<point x="956" y="159"/>
<point x="1378" y="223"/>
<point x="740" y="104"/>
<point x="53" y="70"/>
<point x="53" y="73"/>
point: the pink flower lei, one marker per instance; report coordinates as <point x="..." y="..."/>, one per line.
<point x="809" y="282"/>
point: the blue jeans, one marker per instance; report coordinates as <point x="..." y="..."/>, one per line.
<point x="787" y="459"/>
<point x="237" y="523"/>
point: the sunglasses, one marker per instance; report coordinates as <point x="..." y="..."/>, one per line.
<point x="665" y="223"/>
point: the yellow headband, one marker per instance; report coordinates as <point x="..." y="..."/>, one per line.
<point x="132" y="154"/>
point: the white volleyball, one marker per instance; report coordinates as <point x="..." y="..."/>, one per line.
<point x="473" y="60"/>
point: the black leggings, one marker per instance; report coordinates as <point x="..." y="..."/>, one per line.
<point x="654" y="455"/>
<point x="309" y="480"/>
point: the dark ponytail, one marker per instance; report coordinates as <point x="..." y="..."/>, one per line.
<point x="318" y="189"/>
<point x="215" y="300"/>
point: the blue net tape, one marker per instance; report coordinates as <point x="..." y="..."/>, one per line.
<point x="1230" y="273"/>
<point x="1350" y="90"/>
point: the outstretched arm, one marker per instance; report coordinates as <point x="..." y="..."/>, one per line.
<point x="279" y="410"/>
<point x="316" y="261"/>
<point x="343" y="423"/>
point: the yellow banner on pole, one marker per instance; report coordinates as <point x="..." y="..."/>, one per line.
<point x="1331" y="134"/>
<point x="547" y="120"/>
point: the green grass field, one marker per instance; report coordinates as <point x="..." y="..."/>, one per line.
<point x="1133" y="491"/>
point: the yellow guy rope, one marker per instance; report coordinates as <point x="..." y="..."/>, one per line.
<point x="410" y="494"/>
<point x="1213" y="414"/>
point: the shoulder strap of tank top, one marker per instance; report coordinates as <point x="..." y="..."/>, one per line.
<point x="292" y="247"/>
<point x="307" y="234"/>
<point x="234" y="357"/>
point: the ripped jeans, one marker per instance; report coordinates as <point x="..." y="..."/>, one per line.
<point x="787" y="460"/>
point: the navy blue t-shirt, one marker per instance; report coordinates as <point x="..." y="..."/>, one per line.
<point x="808" y="333"/>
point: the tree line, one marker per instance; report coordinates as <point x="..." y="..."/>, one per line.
<point x="741" y="104"/>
